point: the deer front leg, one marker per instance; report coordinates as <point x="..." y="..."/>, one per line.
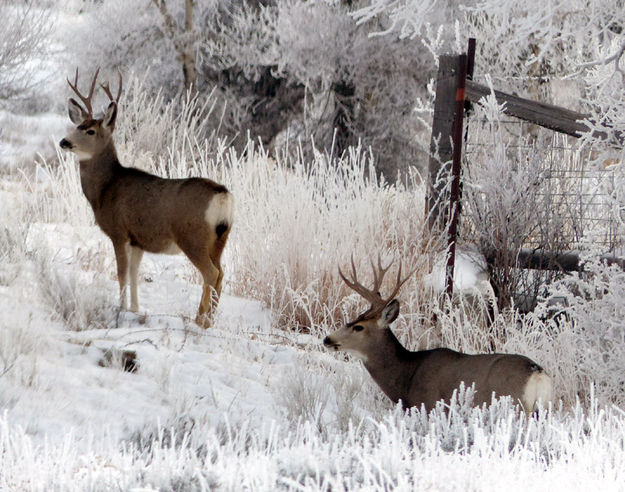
<point x="197" y="249"/>
<point x="121" y="255"/>
<point x="136" y="254"/>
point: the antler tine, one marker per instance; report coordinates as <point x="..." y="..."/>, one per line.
<point x="400" y="282"/>
<point x="85" y="100"/>
<point x="352" y="284"/>
<point x="370" y="295"/>
<point x="107" y="89"/>
<point x="373" y="295"/>
<point x="378" y="275"/>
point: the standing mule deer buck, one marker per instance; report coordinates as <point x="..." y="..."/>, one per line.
<point x="142" y="212"/>
<point x="427" y="376"/>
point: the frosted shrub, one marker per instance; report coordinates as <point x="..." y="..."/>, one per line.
<point x="150" y="127"/>
<point x="20" y="343"/>
<point x="60" y="197"/>
<point x="456" y="447"/>
<point x="331" y="395"/>
<point x="13" y="250"/>
<point x="512" y="201"/>
<point x="304" y="395"/>
<point x="589" y="328"/>
<point x="297" y="223"/>
<point x="81" y="303"/>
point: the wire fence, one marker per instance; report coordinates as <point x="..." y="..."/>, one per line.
<point x="575" y="193"/>
<point x="560" y="200"/>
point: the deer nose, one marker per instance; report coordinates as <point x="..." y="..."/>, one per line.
<point x="65" y="144"/>
<point x="328" y="342"/>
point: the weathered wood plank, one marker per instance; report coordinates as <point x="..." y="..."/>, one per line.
<point x="566" y="261"/>
<point x="547" y="115"/>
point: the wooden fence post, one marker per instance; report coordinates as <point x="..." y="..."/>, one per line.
<point x="441" y="140"/>
<point x="454" y="199"/>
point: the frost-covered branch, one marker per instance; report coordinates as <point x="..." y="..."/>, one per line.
<point x="406" y="17"/>
<point x="24" y="32"/>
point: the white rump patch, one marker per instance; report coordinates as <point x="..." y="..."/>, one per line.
<point x="539" y="388"/>
<point x="220" y="209"/>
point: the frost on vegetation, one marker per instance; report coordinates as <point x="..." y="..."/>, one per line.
<point x="455" y="443"/>
<point x="329" y="395"/>
<point x="151" y="130"/>
<point x="13" y="251"/>
<point x="587" y="311"/>
<point x="24" y="34"/>
<point x="80" y="302"/>
<point x="20" y="343"/>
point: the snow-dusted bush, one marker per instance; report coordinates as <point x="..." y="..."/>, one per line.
<point x="331" y="396"/>
<point x="358" y="87"/>
<point x="20" y="344"/>
<point x="518" y="194"/>
<point x="13" y="239"/>
<point x="24" y="34"/>
<point x="451" y="448"/>
<point x="587" y="312"/>
<point x="80" y="302"/>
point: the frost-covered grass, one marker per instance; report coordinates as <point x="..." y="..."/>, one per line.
<point x="256" y="402"/>
<point x="24" y="137"/>
<point x="450" y="449"/>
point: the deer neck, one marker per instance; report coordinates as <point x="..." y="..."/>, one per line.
<point x="388" y="366"/>
<point x="97" y="172"/>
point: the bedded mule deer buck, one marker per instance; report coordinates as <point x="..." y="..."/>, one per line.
<point x="427" y="376"/>
<point x="142" y="212"/>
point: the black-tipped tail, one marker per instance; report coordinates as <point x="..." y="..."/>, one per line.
<point x="221" y="229"/>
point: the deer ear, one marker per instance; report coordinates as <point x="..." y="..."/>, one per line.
<point x="76" y="113"/>
<point x="389" y="313"/>
<point x="108" y="121"/>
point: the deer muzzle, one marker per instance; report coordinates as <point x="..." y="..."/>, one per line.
<point x="328" y="342"/>
<point x="65" y="144"/>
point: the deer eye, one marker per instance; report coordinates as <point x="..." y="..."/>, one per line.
<point x="358" y="328"/>
<point x="90" y="132"/>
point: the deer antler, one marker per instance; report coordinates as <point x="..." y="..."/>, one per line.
<point x="107" y="90"/>
<point x="373" y="295"/>
<point x="85" y="100"/>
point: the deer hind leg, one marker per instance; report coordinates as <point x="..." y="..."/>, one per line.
<point x="136" y="254"/>
<point x="121" y="255"/>
<point x="212" y="276"/>
<point x="211" y="291"/>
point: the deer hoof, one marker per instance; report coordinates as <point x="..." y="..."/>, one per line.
<point x="203" y="321"/>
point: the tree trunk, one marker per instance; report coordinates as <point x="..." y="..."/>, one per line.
<point x="188" y="55"/>
<point x="344" y="117"/>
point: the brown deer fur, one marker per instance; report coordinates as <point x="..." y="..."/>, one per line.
<point x="427" y="376"/>
<point x="142" y="212"/>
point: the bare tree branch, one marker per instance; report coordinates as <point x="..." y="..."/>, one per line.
<point x="183" y="40"/>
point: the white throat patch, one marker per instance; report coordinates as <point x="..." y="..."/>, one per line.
<point x="357" y="355"/>
<point x="82" y="155"/>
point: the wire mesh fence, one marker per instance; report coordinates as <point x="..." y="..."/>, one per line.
<point x="574" y="191"/>
<point x="527" y="188"/>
